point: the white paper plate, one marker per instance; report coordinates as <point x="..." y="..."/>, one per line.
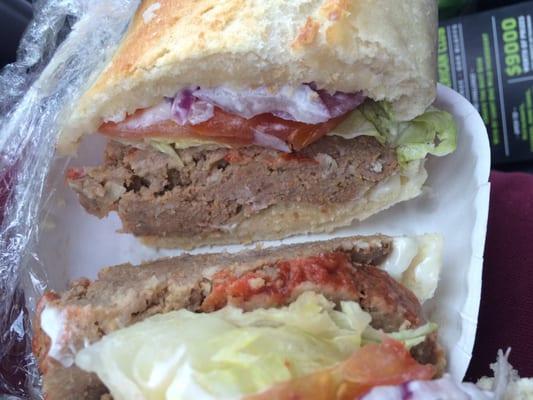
<point x="74" y="244"/>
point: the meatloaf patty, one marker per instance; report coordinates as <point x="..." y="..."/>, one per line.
<point x="341" y="269"/>
<point x="203" y="190"/>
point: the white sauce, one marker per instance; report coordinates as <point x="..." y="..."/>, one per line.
<point x="404" y="250"/>
<point x="151" y="116"/>
<point x="416" y="262"/>
<point x="52" y="323"/>
<point x="388" y="188"/>
<point x="422" y="276"/>
<point x="299" y="103"/>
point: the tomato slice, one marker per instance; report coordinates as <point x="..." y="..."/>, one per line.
<point x="227" y="128"/>
<point x="387" y="363"/>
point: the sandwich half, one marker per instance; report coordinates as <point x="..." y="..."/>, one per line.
<point x="235" y="121"/>
<point x="268" y="323"/>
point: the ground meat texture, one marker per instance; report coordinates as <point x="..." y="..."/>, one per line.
<point x="126" y="294"/>
<point x="333" y="274"/>
<point x="209" y="189"/>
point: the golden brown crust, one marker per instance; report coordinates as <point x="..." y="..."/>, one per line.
<point x="341" y="45"/>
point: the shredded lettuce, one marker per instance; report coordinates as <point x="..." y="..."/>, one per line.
<point x="169" y="150"/>
<point x="433" y="132"/>
<point x="230" y="353"/>
<point x="170" y="147"/>
<point x="186" y="142"/>
<point x="409" y="337"/>
<point x="381" y="116"/>
<point x="356" y="124"/>
<point x="226" y="353"/>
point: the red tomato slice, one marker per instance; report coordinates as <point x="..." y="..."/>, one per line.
<point x="227" y="128"/>
<point x="387" y="363"/>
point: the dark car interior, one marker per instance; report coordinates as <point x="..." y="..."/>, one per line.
<point x="14" y="17"/>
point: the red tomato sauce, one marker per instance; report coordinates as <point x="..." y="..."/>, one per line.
<point x="280" y="280"/>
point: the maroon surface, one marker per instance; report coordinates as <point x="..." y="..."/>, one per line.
<point x="13" y="367"/>
<point x="506" y="312"/>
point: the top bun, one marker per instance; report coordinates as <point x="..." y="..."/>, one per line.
<point x="385" y="48"/>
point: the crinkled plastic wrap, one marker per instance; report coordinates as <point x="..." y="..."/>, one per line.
<point x="65" y="44"/>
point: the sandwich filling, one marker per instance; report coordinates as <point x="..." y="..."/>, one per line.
<point x="285" y="119"/>
<point x="322" y="303"/>
<point x="202" y="190"/>
<point x="300" y="350"/>
<point x="214" y="161"/>
<point x="316" y="304"/>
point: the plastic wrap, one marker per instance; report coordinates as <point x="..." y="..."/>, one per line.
<point x="67" y="41"/>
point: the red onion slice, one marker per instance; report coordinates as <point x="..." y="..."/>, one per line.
<point x="341" y="103"/>
<point x="187" y="109"/>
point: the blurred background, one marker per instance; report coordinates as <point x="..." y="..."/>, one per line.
<point x="14" y="17"/>
<point x="452" y="8"/>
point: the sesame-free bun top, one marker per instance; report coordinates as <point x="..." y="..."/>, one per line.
<point x="385" y="48"/>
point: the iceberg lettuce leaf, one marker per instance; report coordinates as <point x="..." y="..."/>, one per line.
<point x="230" y="353"/>
<point x="409" y="337"/>
<point x="433" y="132"/>
<point x="226" y="353"/>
